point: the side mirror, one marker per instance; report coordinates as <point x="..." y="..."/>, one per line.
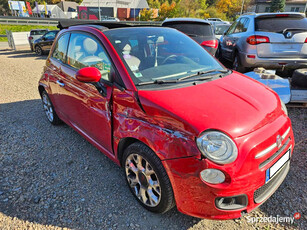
<point x="44" y="38"/>
<point x="224" y="33"/>
<point x="88" y="75"/>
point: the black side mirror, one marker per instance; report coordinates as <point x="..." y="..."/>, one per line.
<point x="44" y="38"/>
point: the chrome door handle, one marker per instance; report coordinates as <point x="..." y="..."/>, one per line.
<point x="60" y="83"/>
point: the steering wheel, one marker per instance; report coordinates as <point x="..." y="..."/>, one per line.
<point x="169" y="57"/>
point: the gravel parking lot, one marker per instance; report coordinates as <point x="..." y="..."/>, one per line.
<point x="51" y="178"/>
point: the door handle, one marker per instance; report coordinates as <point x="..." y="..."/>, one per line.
<point x="60" y="83"/>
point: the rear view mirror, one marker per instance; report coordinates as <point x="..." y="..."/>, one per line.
<point x="88" y="75"/>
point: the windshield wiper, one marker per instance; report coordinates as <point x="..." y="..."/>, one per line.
<point x="156" y="82"/>
<point x="201" y="73"/>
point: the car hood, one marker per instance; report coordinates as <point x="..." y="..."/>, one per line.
<point x="235" y="104"/>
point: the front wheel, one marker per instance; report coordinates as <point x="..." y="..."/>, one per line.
<point x="147" y="178"/>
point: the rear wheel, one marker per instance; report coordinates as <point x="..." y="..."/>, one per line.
<point x="49" y="110"/>
<point x="38" y="50"/>
<point x="237" y="64"/>
<point x="147" y="178"/>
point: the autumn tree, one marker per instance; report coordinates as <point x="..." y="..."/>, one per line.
<point x="146" y="14"/>
<point x="278" y="5"/>
<point x="167" y="10"/>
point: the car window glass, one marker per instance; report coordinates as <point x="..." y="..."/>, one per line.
<point x="86" y="51"/>
<point x="232" y="27"/>
<point x="161" y="54"/>
<point x="245" y="25"/>
<point x="50" y="35"/>
<point x="192" y="29"/>
<point x="38" y="32"/>
<point x="60" y="49"/>
<point x="240" y="26"/>
<point x="277" y="25"/>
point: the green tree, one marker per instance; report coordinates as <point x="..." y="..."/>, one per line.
<point x="278" y="5"/>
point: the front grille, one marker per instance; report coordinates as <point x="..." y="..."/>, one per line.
<point x="271" y="158"/>
<point x="270" y="187"/>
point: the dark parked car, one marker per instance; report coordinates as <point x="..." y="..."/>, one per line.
<point x="186" y="130"/>
<point x="199" y="30"/>
<point x="44" y="43"/>
<point x="34" y="35"/>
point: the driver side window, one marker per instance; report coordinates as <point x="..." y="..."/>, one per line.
<point x="232" y="27"/>
<point x="86" y="51"/>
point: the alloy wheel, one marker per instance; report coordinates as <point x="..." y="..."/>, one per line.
<point x="47" y="107"/>
<point x="38" y="51"/>
<point x="143" y="180"/>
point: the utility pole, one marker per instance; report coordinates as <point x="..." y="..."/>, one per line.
<point x="99" y="10"/>
<point x="242" y="7"/>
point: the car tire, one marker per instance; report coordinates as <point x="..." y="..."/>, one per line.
<point x="236" y="65"/>
<point x="49" y="109"/>
<point x="147" y="179"/>
<point x="38" y="50"/>
<point x="299" y="78"/>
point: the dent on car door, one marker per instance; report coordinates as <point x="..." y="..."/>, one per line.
<point x="88" y="110"/>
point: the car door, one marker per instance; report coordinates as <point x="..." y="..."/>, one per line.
<point x="227" y="41"/>
<point x="54" y="70"/>
<point x="82" y="104"/>
<point x="48" y="39"/>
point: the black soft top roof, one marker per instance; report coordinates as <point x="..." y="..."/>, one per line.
<point x="64" y="24"/>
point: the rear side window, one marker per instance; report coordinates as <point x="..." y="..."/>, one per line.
<point x="85" y="51"/>
<point x="192" y="29"/>
<point x="38" y="32"/>
<point x="60" y="49"/>
<point x="242" y="25"/>
<point x="277" y="25"/>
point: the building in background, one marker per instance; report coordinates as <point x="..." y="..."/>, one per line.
<point x="263" y="6"/>
<point x="122" y="9"/>
<point x="69" y="8"/>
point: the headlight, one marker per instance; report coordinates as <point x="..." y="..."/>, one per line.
<point x="217" y="147"/>
<point x="283" y="107"/>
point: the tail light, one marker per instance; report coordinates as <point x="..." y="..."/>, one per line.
<point x="30" y="38"/>
<point x="211" y="43"/>
<point x="257" y="39"/>
<point x="306" y="40"/>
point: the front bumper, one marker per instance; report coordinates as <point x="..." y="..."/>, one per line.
<point x="272" y="63"/>
<point x="244" y="177"/>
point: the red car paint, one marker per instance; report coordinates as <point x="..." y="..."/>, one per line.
<point x="168" y="121"/>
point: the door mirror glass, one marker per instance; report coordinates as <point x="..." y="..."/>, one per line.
<point x="88" y="75"/>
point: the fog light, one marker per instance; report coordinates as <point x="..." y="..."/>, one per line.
<point x="212" y="176"/>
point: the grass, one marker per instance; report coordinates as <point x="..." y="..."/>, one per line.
<point x="21" y="28"/>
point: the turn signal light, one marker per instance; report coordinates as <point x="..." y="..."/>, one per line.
<point x="210" y="43"/>
<point x="257" y="39"/>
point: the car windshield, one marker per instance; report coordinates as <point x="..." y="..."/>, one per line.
<point x="161" y="54"/>
<point x="278" y="24"/>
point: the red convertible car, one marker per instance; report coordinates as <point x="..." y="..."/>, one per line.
<point x="187" y="131"/>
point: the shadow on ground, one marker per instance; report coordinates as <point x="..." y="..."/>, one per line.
<point x="22" y="54"/>
<point x="52" y="176"/>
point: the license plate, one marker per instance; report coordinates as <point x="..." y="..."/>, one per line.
<point x="278" y="164"/>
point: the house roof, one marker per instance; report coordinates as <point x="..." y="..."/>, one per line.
<point x="65" y="5"/>
<point x="117" y="3"/>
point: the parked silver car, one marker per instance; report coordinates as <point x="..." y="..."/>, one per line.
<point x="269" y="40"/>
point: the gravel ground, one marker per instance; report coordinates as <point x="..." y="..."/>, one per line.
<point x="51" y="178"/>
